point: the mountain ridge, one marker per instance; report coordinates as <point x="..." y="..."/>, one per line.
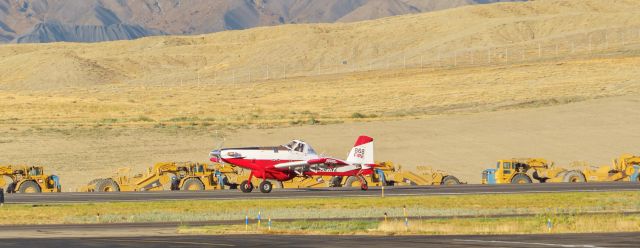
<point x="36" y="21"/>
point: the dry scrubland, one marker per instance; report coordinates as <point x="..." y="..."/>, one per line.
<point x="86" y="109"/>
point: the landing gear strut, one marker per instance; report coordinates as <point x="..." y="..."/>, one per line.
<point x="363" y="183"/>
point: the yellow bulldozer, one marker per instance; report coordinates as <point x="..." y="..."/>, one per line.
<point x="28" y="179"/>
<point x="169" y="176"/>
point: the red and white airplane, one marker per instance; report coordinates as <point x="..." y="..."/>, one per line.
<point x="296" y="158"/>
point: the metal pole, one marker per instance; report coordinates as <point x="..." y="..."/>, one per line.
<point x="472" y="59"/>
<point x="506" y="55"/>
<point x="404" y="61"/>
<point x="539" y="50"/>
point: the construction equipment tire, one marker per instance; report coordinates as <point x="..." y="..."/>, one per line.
<point x="192" y="184"/>
<point x="266" y="187"/>
<point x="450" y="180"/>
<point x="354" y="181"/>
<point x="29" y="187"/>
<point x="335" y="181"/>
<point x="276" y="184"/>
<point x="574" y="176"/>
<point x="94" y="181"/>
<point x="521" y="179"/>
<point x="107" y="185"/>
<point x="246" y="186"/>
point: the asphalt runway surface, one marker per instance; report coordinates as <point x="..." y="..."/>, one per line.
<point x="68" y="197"/>
<point x="553" y="240"/>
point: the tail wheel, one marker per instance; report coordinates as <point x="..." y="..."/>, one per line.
<point x="246" y="186"/>
<point x="29" y="187"/>
<point x="521" y="179"/>
<point x="450" y="180"/>
<point x="574" y="177"/>
<point x="364" y="186"/>
<point x="107" y="185"/>
<point x="266" y="187"/>
<point x="192" y="184"/>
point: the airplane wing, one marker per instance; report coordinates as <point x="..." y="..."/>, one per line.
<point x="293" y="164"/>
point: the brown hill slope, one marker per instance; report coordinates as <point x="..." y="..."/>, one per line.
<point x="318" y="48"/>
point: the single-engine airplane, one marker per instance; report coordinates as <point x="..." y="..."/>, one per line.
<point x="297" y="158"/>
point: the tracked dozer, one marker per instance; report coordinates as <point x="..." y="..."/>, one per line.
<point x="28" y="179"/>
<point x="186" y="176"/>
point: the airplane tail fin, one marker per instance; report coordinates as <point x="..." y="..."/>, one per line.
<point x="362" y="151"/>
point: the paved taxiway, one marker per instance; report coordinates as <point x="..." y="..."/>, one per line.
<point x="320" y="192"/>
<point x="553" y="240"/>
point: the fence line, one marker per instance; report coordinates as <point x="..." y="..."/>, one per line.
<point x="602" y="42"/>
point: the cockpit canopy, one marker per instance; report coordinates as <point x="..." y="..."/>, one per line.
<point x="299" y="146"/>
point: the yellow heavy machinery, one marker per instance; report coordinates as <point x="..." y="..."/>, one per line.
<point x="28" y="179"/>
<point x="624" y="168"/>
<point x="386" y="174"/>
<point x="523" y="170"/>
<point x="169" y="176"/>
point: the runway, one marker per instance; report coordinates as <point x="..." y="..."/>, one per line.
<point x="553" y="240"/>
<point x="69" y="197"/>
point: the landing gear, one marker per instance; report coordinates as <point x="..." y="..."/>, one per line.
<point x="246" y="186"/>
<point x="266" y="187"/>
<point x="364" y="186"/>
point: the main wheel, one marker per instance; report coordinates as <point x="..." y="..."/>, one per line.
<point x="192" y="184"/>
<point x="521" y="179"/>
<point x="574" y="176"/>
<point x="266" y="187"/>
<point x="29" y="187"/>
<point x="450" y="180"/>
<point x="246" y="186"/>
<point x="107" y="185"/>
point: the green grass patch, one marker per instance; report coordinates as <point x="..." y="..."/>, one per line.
<point x="201" y="210"/>
<point x="564" y="223"/>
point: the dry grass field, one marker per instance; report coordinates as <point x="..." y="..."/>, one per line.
<point x="86" y="109"/>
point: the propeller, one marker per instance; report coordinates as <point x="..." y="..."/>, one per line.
<point x="216" y="153"/>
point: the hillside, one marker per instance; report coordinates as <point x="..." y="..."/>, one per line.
<point x="33" y="21"/>
<point x="455" y="89"/>
<point x="312" y="49"/>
